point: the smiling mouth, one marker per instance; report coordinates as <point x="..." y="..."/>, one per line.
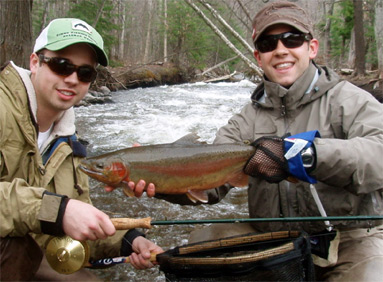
<point x="66" y="93"/>
<point x="284" y="65"/>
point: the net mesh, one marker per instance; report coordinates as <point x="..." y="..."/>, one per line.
<point x="282" y="259"/>
<point x="268" y="161"/>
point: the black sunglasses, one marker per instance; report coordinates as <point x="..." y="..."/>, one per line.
<point x="64" y="67"/>
<point x="268" y="43"/>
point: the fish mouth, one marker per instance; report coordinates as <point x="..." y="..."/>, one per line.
<point x="111" y="175"/>
<point x="91" y="172"/>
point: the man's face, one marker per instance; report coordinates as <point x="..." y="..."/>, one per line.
<point x="285" y="65"/>
<point x="56" y="93"/>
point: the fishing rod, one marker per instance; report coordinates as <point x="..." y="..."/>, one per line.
<point x="129" y="223"/>
<point x="66" y="255"/>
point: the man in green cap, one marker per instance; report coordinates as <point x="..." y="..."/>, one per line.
<point x="43" y="192"/>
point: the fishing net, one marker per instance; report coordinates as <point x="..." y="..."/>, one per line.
<point x="274" y="256"/>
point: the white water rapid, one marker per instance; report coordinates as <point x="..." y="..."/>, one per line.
<point x="153" y="116"/>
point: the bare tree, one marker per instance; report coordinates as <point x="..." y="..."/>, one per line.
<point x="99" y="13"/>
<point x="227" y="26"/>
<point x="379" y="34"/>
<point x="327" y="39"/>
<point x="16" y="32"/>
<point x="166" y="31"/>
<point x="360" y="48"/>
<point x="249" y="63"/>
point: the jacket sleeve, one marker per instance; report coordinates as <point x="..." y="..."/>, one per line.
<point x="20" y="206"/>
<point x="353" y="159"/>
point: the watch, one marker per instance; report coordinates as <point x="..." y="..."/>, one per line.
<point x="308" y="157"/>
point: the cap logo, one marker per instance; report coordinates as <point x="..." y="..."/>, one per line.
<point x="79" y="25"/>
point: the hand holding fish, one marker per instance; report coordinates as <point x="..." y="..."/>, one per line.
<point x="138" y="189"/>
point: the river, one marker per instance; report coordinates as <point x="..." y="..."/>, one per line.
<point x="153" y="116"/>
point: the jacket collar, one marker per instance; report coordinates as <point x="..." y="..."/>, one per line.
<point x="64" y="126"/>
<point x="312" y="84"/>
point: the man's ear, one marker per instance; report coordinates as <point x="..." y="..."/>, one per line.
<point x="313" y="48"/>
<point x="33" y="62"/>
<point x="258" y="57"/>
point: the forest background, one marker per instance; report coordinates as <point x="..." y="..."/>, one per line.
<point x="196" y="35"/>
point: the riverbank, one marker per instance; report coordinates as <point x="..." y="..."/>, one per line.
<point x="130" y="77"/>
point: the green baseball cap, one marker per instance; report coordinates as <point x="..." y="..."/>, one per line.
<point x="61" y="33"/>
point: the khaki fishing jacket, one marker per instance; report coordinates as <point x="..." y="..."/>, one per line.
<point x="26" y="174"/>
<point x="349" y="164"/>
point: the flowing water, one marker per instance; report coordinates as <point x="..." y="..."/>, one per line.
<point x="153" y="116"/>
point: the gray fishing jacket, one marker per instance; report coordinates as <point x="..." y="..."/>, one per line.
<point x="349" y="164"/>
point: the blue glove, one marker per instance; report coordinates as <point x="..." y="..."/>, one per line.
<point x="294" y="146"/>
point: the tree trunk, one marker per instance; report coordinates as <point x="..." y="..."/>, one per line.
<point x="121" y="43"/>
<point x="327" y="28"/>
<point x="225" y="24"/>
<point x="16" y="32"/>
<point x="351" y="51"/>
<point x="99" y="13"/>
<point x="360" y="48"/>
<point x="379" y="34"/>
<point x="148" y="32"/>
<point x="166" y="31"/>
<point x="249" y="63"/>
<point x="44" y="16"/>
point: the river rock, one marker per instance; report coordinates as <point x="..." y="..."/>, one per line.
<point x="100" y="96"/>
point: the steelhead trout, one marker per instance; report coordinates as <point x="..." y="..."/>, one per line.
<point x="186" y="166"/>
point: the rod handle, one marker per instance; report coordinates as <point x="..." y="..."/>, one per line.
<point x="130" y="223"/>
<point x="114" y="261"/>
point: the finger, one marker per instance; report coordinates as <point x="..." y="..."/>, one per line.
<point x="144" y="262"/>
<point x="140" y="187"/>
<point x="109" y="188"/>
<point x="151" y="190"/>
<point x="136" y="262"/>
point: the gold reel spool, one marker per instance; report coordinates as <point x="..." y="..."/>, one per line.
<point x="66" y="255"/>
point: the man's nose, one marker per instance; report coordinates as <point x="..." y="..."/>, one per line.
<point x="281" y="48"/>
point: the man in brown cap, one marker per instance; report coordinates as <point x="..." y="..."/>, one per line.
<point x="324" y="156"/>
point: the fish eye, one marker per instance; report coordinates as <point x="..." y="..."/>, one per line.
<point x="100" y="165"/>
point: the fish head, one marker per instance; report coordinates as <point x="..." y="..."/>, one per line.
<point x="111" y="171"/>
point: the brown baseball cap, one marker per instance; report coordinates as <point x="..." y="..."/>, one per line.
<point x="281" y="12"/>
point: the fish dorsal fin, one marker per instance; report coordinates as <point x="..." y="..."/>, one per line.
<point x="197" y="195"/>
<point x="191" y="138"/>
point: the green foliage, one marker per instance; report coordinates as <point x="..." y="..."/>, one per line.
<point x="87" y="10"/>
<point x="194" y="42"/>
<point x="341" y="28"/>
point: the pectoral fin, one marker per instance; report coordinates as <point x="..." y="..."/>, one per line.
<point x="127" y="191"/>
<point x="197" y="195"/>
<point x="239" y="180"/>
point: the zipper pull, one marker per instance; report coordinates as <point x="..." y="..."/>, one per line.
<point x="283" y="110"/>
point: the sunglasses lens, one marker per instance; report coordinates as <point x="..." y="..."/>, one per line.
<point x="86" y="73"/>
<point x="266" y="45"/>
<point x="293" y="40"/>
<point x="61" y="66"/>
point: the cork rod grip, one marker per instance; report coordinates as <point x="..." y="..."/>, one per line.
<point x="130" y="223"/>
